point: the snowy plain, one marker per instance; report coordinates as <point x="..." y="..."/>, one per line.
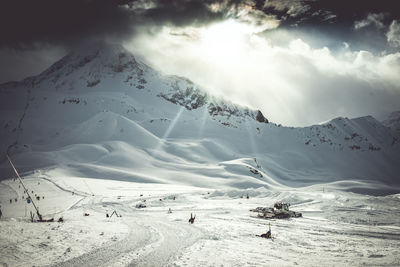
<point x="100" y="132"/>
<point x="337" y="228"/>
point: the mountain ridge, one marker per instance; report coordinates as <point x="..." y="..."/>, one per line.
<point x="105" y="98"/>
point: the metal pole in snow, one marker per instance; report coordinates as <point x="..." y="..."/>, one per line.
<point x="23" y="185"/>
<point x="88" y="187"/>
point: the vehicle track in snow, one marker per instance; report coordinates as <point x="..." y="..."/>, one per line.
<point x="173" y="238"/>
<point x="137" y="237"/>
<point x="151" y="239"/>
<point x="76" y="192"/>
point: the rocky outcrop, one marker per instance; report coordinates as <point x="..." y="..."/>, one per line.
<point x="260" y="117"/>
<point x="183" y="92"/>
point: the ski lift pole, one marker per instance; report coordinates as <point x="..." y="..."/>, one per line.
<point x="90" y="190"/>
<point x="26" y="190"/>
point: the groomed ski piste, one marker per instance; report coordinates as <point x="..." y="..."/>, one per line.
<point x="100" y="131"/>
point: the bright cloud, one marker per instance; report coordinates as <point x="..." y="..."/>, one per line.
<point x="294" y="84"/>
<point x="393" y="35"/>
<point x="371" y="19"/>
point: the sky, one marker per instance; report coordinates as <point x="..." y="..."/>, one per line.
<point x="300" y="62"/>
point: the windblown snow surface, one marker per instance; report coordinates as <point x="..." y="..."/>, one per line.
<point x="99" y="131"/>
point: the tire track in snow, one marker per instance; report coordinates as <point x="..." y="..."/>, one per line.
<point x="76" y="192"/>
<point x="103" y="256"/>
<point x="150" y="241"/>
<point x="174" y="237"/>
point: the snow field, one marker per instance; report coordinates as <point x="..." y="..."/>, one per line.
<point x="337" y="228"/>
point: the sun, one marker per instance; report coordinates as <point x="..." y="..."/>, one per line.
<point x="225" y="40"/>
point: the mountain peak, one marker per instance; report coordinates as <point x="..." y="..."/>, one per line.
<point x="108" y="67"/>
<point x="94" y="61"/>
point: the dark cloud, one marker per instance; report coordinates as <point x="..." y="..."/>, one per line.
<point x="17" y="64"/>
<point x="181" y="12"/>
<point x="34" y="25"/>
<point x="306" y="12"/>
<point x="24" y="22"/>
<point x="41" y="28"/>
<point x="363" y="24"/>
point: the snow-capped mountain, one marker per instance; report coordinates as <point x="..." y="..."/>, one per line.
<point x="101" y="113"/>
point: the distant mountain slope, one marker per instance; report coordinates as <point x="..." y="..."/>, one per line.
<point x="393" y="121"/>
<point x="101" y="113"/>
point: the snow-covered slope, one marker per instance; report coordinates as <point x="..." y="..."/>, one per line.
<point x="101" y="113"/>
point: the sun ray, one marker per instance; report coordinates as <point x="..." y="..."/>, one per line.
<point x="251" y="138"/>
<point x="202" y="123"/>
<point x="170" y="128"/>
